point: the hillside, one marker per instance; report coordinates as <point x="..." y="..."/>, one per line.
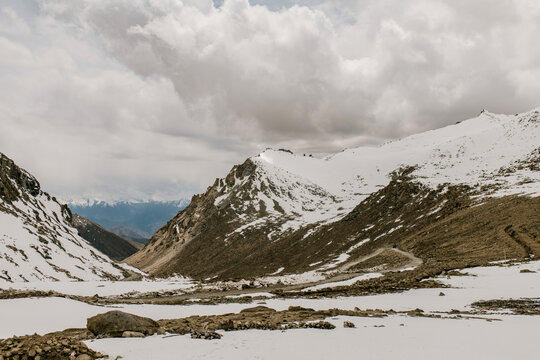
<point x="110" y="244"/>
<point x="283" y="213"/>
<point x="37" y="240"/>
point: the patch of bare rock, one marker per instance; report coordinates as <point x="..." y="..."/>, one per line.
<point x="54" y="346"/>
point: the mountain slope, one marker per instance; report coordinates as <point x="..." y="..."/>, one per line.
<point x="280" y="211"/>
<point x="135" y="236"/>
<point x="105" y="241"/>
<point x="37" y="241"/>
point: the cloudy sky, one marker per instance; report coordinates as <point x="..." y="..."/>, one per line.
<point x="153" y="99"/>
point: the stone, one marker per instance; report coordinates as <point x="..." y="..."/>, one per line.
<point x="348" y="324"/>
<point x="206" y="335"/>
<point x="84" y="357"/>
<point x="259" y="308"/>
<point x="132" y="334"/>
<point x="114" y="323"/>
<point x="442" y="294"/>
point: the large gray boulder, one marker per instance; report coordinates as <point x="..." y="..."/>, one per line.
<point x="114" y="323"/>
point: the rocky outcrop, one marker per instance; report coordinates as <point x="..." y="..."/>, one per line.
<point x="16" y="183"/>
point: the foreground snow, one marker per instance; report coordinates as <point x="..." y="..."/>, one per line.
<point x="418" y="338"/>
<point x="43" y="315"/>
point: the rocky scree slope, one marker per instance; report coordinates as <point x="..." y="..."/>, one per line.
<point x="284" y="213"/>
<point x="37" y="240"/>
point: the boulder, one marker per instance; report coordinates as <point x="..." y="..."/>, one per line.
<point x="115" y="323"/>
<point x="84" y="357"/>
<point x="348" y="324"/>
<point x="131" y="334"/>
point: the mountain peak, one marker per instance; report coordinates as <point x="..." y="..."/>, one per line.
<point x="279" y="200"/>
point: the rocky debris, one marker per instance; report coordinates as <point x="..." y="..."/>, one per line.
<point x="526" y="306"/>
<point x="526" y="271"/>
<point x="264" y="318"/>
<point x="52" y="346"/>
<point x="206" y="335"/>
<point x="115" y="323"/>
<point x="442" y="294"/>
<point x="348" y="324"/>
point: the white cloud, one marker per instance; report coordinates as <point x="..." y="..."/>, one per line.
<point x="139" y="98"/>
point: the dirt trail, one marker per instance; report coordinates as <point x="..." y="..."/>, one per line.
<point x="342" y="275"/>
<point x="414" y="261"/>
<point x="530" y="246"/>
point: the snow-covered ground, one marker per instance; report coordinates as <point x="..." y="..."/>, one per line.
<point x="105" y="288"/>
<point x="43" y="315"/>
<point x="344" y="282"/>
<point x="419" y="338"/>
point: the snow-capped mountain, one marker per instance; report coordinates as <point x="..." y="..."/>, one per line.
<point x="282" y="211"/>
<point x="37" y="240"/>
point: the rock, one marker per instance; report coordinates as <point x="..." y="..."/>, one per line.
<point x="299" y="308"/>
<point x="348" y="324"/>
<point x="442" y="294"/>
<point x="257" y="309"/>
<point x="84" y="357"/>
<point x="32" y="353"/>
<point x="525" y="271"/>
<point x="132" y="334"/>
<point x="321" y="325"/>
<point x="206" y="335"/>
<point x="114" y="323"/>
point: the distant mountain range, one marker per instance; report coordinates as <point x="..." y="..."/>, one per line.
<point x="136" y="221"/>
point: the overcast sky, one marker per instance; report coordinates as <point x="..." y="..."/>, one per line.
<point x="153" y="99"/>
